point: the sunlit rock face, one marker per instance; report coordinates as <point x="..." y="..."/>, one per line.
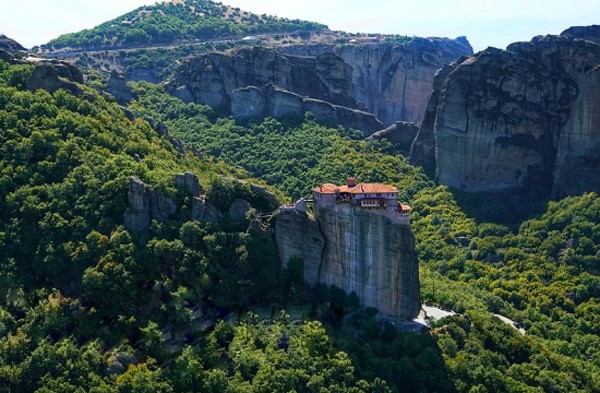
<point x="357" y="250"/>
<point x="514" y="119"/>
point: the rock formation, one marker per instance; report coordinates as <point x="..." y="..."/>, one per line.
<point x="393" y="81"/>
<point x="356" y="250"/>
<point x="146" y="204"/>
<point x="527" y="116"/>
<point x="52" y="75"/>
<point x="351" y="85"/>
<point x="117" y="86"/>
<point x="210" y="79"/>
<point x="10" y="45"/>
<point x="252" y="102"/>
<point x="401" y="134"/>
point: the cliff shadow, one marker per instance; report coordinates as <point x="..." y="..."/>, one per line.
<point x="407" y="361"/>
<point x="508" y="208"/>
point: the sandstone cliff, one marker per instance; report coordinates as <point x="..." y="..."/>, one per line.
<point x="393" y="81"/>
<point x="341" y="83"/>
<point x="527" y="116"/>
<point x="358" y="251"/>
<point x="210" y="79"/>
<point x="401" y="134"/>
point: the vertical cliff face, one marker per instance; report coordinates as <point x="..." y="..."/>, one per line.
<point x="358" y="251"/>
<point x="390" y="81"/>
<point x="394" y="81"/>
<point x="527" y="116"/>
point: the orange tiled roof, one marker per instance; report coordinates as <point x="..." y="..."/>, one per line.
<point x="404" y="207"/>
<point x="360" y="188"/>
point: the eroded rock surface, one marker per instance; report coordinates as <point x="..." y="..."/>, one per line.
<point x="401" y="134"/>
<point x="52" y="75"/>
<point x="351" y="85"/>
<point x="393" y="81"/>
<point x="118" y="87"/>
<point x="524" y="117"/>
<point x="357" y="251"/>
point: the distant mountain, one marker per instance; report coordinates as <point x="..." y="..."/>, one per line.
<point x="177" y="20"/>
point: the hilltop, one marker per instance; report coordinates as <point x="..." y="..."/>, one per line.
<point x="177" y="20"/>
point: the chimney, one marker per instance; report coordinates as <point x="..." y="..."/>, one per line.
<point x="351" y="182"/>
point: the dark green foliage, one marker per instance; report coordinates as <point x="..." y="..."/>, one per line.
<point x="85" y="305"/>
<point x="543" y="274"/>
<point x="168" y="22"/>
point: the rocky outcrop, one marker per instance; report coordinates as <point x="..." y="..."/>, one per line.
<point x="52" y="75"/>
<point x="401" y="134"/>
<point x="298" y="236"/>
<point x="210" y="79"/>
<point x="524" y="117"/>
<point x="354" y="86"/>
<point x="117" y="86"/>
<point x="393" y="81"/>
<point x="252" y="102"/>
<point x="144" y="205"/>
<point x="10" y="45"/>
<point x="590" y="33"/>
<point x="357" y="251"/>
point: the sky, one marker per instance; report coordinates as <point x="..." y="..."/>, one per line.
<point x="484" y="22"/>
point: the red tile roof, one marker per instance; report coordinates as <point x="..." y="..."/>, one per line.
<point x="360" y="188"/>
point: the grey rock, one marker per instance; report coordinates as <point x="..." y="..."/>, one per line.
<point x="144" y="205"/>
<point x="189" y="183"/>
<point x="238" y="210"/>
<point x="248" y="102"/>
<point x="205" y="212"/>
<point x="402" y="134"/>
<point x="55" y="75"/>
<point x="282" y="103"/>
<point x="118" y="87"/>
<point x="6" y="56"/>
<point x="137" y="214"/>
<point x="357" y="251"/>
<point x="10" y="45"/>
<point x="323" y="111"/>
<point x="393" y="81"/>
<point x="299" y="236"/>
<point x="515" y="119"/>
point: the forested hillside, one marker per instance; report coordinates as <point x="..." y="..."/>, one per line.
<point x="179" y="20"/>
<point x="542" y="273"/>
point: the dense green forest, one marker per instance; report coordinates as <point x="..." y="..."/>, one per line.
<point x="87" y="306"/>
<point x="542" y="273"/>
<point x="171" y="21"/>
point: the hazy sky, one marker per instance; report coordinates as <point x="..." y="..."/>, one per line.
<point x="484" y="22"/>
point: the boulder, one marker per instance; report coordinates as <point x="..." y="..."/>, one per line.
<point x="118" y="88"/>
<point x="238" y="210"/>
<point x="401" y="134"/>
<point x="205" y="212"/>
<point x="137" y="214"/>
<point x="145" y="204"/>
<point x="189" y="183"/>
<point x="55" y="75"/>
<point x="10" y="45"/>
